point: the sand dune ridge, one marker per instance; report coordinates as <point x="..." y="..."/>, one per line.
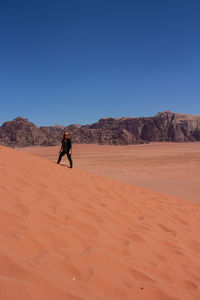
<point x="69" y="234"/>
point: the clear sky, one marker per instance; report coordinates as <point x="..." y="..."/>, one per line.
<point x="76" y="61"/>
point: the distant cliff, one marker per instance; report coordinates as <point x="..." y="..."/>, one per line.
<point x="164" y="127"/>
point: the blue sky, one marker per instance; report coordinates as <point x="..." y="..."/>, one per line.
<point x="77" y="61"/>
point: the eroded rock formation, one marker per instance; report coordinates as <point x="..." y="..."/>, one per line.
<point x="164" y="127"/>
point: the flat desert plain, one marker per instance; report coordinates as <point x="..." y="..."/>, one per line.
<point x="170" y="168"/>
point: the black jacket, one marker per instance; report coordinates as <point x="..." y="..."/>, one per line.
<point x="66" y="145"/>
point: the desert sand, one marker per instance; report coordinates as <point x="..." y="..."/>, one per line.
<point x="169" y="168"/>
<point x="70" y="234"/>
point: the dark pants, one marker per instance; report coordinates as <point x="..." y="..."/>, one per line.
<point x="68" y="155"/>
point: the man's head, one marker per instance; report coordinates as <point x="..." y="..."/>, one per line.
<point x="66" y="135"/>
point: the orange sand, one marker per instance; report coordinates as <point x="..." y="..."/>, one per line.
<point x="169" y="168"/>
<point x="69" y="234"/>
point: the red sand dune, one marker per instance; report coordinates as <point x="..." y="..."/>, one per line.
<point x="69" y="234"/>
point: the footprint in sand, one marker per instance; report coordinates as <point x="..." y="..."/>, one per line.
<point x="126" y="243"/>
<point x="102" y="204"/>
<point x="134" y="237"/>
<point x="128" y="283"/>
<point x="173" y="248"/>
<point x="90" y="273"/>
<point x="168" y="230"/>
<point x="162" y="258"/>
<point x="190" y="285"/>
<point x="182" y="221"/>
<point x="72" y="271"/>
<point x="139" y="276"/>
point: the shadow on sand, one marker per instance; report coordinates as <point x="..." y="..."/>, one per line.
<point x="63" y="165"/>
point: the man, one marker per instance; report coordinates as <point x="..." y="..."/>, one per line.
<point x="66" y="148"/>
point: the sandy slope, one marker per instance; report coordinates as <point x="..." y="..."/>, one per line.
<point x="170" y="168"/>
<point x="69" y="234"/>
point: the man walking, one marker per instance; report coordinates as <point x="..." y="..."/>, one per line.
<point x="66" y="148"/>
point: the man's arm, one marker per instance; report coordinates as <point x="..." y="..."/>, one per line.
<point x="60" y="149"/>
<point x="70" y="151"/>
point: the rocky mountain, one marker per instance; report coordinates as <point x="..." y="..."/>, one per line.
<point x="20" y="132"/>
<point x="164" y="127"/>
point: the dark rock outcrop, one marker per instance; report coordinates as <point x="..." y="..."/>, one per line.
<point x="164" y="127"/>
<point x="21" y="133"/>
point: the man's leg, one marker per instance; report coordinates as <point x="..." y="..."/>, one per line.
<point x="70" y="159"/>
<point x="60" y="156"/>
